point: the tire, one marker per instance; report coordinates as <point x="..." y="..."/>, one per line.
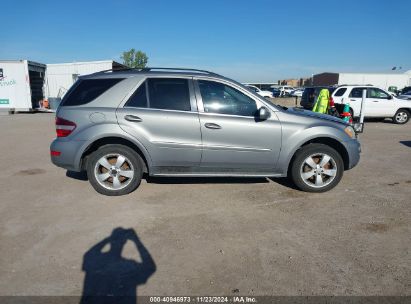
<point x="114" y="170"/>
<point x="401" y="117"/>
<point x="310" y="175"/>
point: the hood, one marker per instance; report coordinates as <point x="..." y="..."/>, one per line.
<point x="307" y="113"/>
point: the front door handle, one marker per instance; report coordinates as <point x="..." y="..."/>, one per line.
<point x="133" y="118"/>
<point x="375" y="101"/>
<point x="212" y="126"/>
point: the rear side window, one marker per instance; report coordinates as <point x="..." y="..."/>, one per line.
<point x="162" y="93"/>
<point x="88" y="90"/>
<point x="308" y="95"/>
<point x="356" y="92"/>
<point x="169" y="94"/>
<point x="340" y="92"/>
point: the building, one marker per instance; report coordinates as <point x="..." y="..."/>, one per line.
<point x="300" y="82"/>
<point x="61" y="76"/>
<point x="21" y="84"/>
<point x="382" y="80"/>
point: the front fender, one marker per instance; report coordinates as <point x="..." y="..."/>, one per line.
<point x="293" y="142"/>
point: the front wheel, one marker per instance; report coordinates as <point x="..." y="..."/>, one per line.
<point x="317" y="168"/>
<point x="401" y="117"/>
<point x="114" y="170"/>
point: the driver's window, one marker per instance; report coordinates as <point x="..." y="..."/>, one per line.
<point x="222" y="99"/>
<point x="377" y="93"/>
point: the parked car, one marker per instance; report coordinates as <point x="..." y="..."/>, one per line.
<point x="276" y="92"/>
<point x="297" y="93"/>
<point x="405" y="90"/>
<point x="406" y="96"/>
<point x="378" y="103"/>
<point x="285" y="90"/>
<point x="260" y="92"/>
<point x="117" y="125"/>
<point x="310" y="95"/>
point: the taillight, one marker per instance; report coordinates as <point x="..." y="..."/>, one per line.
<point x="64" y="127"/>
<point x="331" y="102"/>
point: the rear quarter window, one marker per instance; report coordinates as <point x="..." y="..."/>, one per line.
<point x="87" y="90"/>
<point x="340" y="92"/>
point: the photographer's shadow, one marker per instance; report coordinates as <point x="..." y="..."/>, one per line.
<point x="111" y="278"/>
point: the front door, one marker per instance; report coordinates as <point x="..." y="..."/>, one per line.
<point x="379" y="103"/>
<point x="234" y="141"/>
<point x="162" y="115"/>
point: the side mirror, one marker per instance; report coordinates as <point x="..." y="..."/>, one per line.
<point x="390" y="96"/>
<point x="263" y="113"/>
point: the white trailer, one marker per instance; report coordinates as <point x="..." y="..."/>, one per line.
<point x="21" y="85"/>
<point x="381" y="80"/>
<point x="61" y="76"/>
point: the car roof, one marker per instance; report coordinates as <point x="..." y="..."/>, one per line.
<point x="152" y="71"/>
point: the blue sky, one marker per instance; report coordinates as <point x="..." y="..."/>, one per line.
<point x="246" y="40"/>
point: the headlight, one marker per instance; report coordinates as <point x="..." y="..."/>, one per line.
<point x="350" y="132"/>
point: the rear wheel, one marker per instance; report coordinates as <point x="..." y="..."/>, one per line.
<point x="114" y="170"/>
<point x="317" y="168"/>
<point x="401" y="117"/>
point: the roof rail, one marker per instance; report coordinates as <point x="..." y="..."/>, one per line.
<point x="364" y="85"/>
<point x="148" y="69"/>
<point x="177" y="69"/>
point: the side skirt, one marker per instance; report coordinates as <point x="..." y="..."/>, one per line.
<point x="201" y="172"/>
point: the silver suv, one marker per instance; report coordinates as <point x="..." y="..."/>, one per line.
<point x="118" y="125"/>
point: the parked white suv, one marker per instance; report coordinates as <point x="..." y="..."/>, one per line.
<point x="285" y="90"/>
<point x="262" y="93"/>
<point x="379" y="103"/>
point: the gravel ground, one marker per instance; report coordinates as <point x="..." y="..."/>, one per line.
<point x="206" y="236"/>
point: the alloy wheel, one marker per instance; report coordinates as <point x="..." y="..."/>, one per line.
<point x="318" y="170"/>
<point x="401" y="117"/>
<point x="114" y="171"/>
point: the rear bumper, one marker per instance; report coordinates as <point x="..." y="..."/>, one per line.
<point x="354" y="150"/>
<point x="70" y="154"/>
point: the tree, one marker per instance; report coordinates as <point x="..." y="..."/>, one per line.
<point x="135" y="59"/>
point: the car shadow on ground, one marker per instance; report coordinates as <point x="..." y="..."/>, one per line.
<point x="406" y="143"/>
<point x="111" y="278"/>
<point x="205" y="180"/>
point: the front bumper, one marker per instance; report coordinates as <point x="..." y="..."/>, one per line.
<point x="354" y="150"/>
<point x="70" y="153"/>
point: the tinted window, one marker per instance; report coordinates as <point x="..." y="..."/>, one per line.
<point x="169" y="94"/>
<point x="88" y="90"/>
<point x="139" y="98"/>
<point x="340" y="92"/>
<point x="376" y="93"/>
<point x="356" y="92"/>
<point x="223" y="99"/>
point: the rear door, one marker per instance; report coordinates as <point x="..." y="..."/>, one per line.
<point x="234" y="140"/>
<point x="355" y="99"/>
<point x="162" y="115"/>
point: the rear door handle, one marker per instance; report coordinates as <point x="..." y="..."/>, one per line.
<point x="212" y="126"/>
<point x="375" y="101"/>
<point x="133" y="118"/>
